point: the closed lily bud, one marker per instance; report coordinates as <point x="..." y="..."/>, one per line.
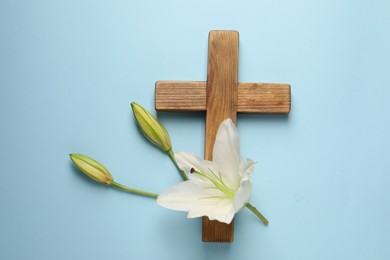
<point x="92" y="168"/>
<point x="152" y="128"/>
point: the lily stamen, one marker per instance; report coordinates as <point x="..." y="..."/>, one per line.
<point x="218" y="182"/>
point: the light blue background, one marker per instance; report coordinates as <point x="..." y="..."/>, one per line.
<point x="69" y="70"/>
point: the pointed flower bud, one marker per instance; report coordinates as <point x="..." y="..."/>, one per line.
<point x="92" y="168"/>
<point x="152" y="128"/>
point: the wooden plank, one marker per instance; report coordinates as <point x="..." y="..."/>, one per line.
<point x="221" y="103"/>
<point x="252" y="97"/>
<point x="264" y="98"/>
<point x="180" y="96"/>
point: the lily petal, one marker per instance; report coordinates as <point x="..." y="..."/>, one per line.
<point x="226" y="153"/>
<point x="199" y="198"/>
<point x="246" y="168"/>
<point x="187" y="161"/>
<point x="223" y="212"/>
<point x="243" y="195"/>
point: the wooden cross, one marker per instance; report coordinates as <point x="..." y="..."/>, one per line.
<point x="221" y="97"/>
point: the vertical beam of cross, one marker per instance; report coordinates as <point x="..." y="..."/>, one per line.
<point x="221" y="103"/>
<point x="221" y="97"/>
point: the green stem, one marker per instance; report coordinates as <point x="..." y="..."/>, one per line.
<point x="182" y="173"/>
<point x="257" y="213"/>
<point x="139" y="192"/>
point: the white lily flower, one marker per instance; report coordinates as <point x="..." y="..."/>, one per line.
<point x="217" y="189"/>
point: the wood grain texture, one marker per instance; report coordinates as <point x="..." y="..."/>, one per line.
<point x="221" y="103"/>
<point x="214" y="231"/>
<point x="180" y="96"/>
<point x="264" y="98"/>
<point x="267" y="98"/>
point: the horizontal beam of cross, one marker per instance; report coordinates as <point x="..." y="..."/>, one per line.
<point x="252" y="97"/>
